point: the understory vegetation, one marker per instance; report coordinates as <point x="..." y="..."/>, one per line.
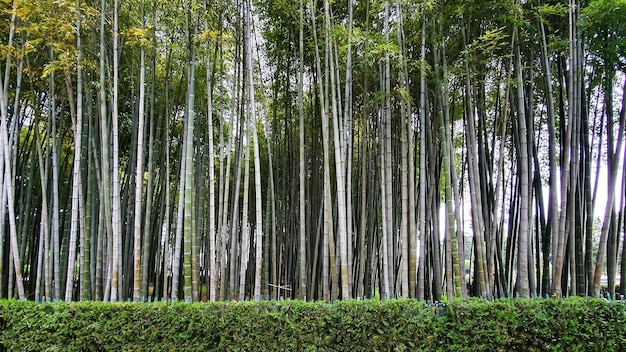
<point x="197" y="150"/>
<point x="573" y="324"/>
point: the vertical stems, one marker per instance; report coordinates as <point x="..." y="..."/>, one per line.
<point x="302" y="195"/>
<point x="139" y="174"/>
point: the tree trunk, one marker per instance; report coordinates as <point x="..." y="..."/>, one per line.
<point x="523" y="239"/>
<point x="302" y="170"/>
<point x="139" y="174"/>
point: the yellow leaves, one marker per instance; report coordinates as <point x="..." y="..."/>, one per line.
<point x="491" y="40"/>
<point x="6" y="50"/>
<point x="208" y="35"/>
<point x="27" y="11"/>
<point x="50" y="68"/>
<point x="136" y="36"/>
<point x="65" y="60"/>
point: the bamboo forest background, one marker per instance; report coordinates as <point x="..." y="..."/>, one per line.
<point x="215" y="150"/>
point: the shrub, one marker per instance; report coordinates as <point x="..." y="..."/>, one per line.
<point x="574" y="324"/>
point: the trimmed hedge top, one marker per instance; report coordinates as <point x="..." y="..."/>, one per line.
<point x="573" y="324"/>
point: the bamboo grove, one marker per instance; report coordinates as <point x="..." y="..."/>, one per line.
<point x="320" y="150"/>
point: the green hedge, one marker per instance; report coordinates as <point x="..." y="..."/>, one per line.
<point x="574" y="324"/>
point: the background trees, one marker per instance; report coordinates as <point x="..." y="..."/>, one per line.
<point x="444" y="148"/>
